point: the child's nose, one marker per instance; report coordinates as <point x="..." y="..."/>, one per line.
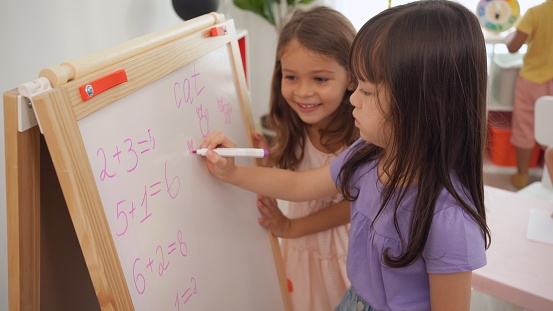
<point x="353" y="99"/>
<point x="304" y="89"/>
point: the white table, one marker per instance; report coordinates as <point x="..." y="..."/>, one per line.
<point x="519" y="270"/>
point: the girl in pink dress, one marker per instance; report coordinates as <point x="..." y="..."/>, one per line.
<point x="414" y="179"/>
<point x="312" y="119"/>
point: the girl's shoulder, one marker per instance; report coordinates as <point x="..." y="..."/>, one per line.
<point x="455" y="241"/>
<point x="448" y="204"/>
<point x="314" y="158"/>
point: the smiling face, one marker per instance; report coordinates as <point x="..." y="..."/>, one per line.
<point x="312" y="84"/>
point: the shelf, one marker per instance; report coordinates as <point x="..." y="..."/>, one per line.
<point x="493" y="105"/>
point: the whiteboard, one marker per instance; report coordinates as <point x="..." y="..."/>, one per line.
<point x="184" y="240"/>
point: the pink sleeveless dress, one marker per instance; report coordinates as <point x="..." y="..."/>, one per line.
<point x="316" y="263"/>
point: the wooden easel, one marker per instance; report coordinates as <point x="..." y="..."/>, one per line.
<point x="23" y="209"/>
<point x="46" y="269"/>
<point x="41" y="251"/>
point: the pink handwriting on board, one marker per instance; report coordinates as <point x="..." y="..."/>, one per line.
<point x="193" y="289"/>
<point x="173" y="187"/>
<point x="127" y="155"/>
<point x="225" y="108"/>
<point x="158" y="264"/>
<point x="188" y="89"/>
<point x="144" y="211"/>
<point x="190" y="144"/>
<point x="203" y="116"/>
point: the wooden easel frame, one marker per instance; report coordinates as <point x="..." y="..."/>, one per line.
<point x="23" y="162"/>
<point x="22" y="209"/>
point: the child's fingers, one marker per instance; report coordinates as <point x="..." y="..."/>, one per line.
<point x="269" y="202"/>
<point x="264" y="223"/>
<point x="264" y="210"/>
<point x="265" y="220"/>
<point x="214" y="158"/>
<point x="268" y="209"/>
<point x="217" y="139"/>
<point x="259" y="140"/>
<point x="219" y="166"/>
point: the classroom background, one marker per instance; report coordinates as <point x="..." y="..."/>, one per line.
<point x="39" y="34"/>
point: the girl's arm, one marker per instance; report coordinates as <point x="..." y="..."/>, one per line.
<point x="259" y="141"/>
<point x="273" y="220"/>
<point x="450" y="292"/>
<point x="515" y="40"/>
<point x="277" y="183"/>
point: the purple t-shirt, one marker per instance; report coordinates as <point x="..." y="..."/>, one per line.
<point x="455" y="244"/>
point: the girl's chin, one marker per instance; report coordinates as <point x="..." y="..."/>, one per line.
<point x="309" y="119"/>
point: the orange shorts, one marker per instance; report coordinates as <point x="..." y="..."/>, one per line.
<point x="526" y="94"/>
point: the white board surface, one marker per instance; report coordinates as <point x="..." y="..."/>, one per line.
<point x="185" y="240"/>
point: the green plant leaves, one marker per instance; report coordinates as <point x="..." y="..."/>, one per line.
<point x="263" y="8"/>
<point x="266" y="8"/>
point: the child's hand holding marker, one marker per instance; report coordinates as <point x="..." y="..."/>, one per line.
<point x="231" y="152"/>
<point x="219" y="166"/>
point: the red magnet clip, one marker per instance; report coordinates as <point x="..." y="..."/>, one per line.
<point x="218" y="31"/>
<point x="98" y="86"/>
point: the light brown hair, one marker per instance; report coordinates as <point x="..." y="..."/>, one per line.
<point x="326" y="32"/>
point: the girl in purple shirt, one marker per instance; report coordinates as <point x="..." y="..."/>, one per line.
<point x="414" y="179"/>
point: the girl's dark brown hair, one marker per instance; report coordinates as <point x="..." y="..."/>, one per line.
<point x="430" y="56"/>
<point x="326" y="32"/>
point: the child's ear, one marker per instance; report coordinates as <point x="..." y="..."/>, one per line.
<point x="352" y="85"/>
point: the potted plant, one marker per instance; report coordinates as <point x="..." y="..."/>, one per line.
<point x="273" y="11"/>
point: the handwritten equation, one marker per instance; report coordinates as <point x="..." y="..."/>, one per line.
<point x="125" y="209"/>
<point x="125" y="155"/>
<point x="158" y="264"/>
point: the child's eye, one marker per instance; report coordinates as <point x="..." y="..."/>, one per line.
<point x="321" y="79"/>
<point x="363" y="92"/>
<point x="289" y="77"/>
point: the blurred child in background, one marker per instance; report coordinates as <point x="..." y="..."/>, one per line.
<point x="535" y="80"/>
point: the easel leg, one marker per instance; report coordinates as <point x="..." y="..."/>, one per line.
<point x="22" y="209"/>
